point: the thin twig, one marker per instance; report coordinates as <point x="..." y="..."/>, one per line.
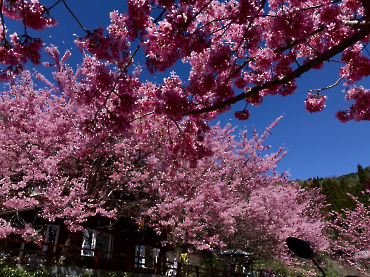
<point x="234" y="72"/>
<point x="140" y="117"/>
<point x="317" y="53"/>
<point x="210" y="22"/>
<point x="294" y="43"/>
<point x="56" y="3"/>
<point x="178" y="127"/>
<point x="79" y="23"/>
<point x="159" y="16"/>
<point x="131" y="57"/>
<point x="367" y="50"/>
<point x="291" y="52"/>
<point x="24" y="19"/>
<point x="209" y="2"/>
<point x="318" y="6"/>
<point x="219" y="29"/>
<point x="250" y="24"/>
<point x="328" y="87"/>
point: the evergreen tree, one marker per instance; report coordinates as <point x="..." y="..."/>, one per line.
<point x="335" y="195"/>
<point x="362" y="175"/>
<point x="315" y="183"/>
<point x="350" y="203"/>
<point x="359" y="189"/>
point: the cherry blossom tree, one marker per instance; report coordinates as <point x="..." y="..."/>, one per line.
<point x="209" y="197"/>
<point x="45" y="156"/>
<point x="236" y="199"/>
<point x="351" y="236"/>
<point x="52" y="161"/>
<point x="67" y="147"/>
<point x="276" y="212"/>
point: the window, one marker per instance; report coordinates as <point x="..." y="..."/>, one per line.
<point x="146" y="256"/>
<point x="94" y="239"/>
<point x="139" y="256"/>
<point x="51" y="235"/>
<point x="171" y="267"/>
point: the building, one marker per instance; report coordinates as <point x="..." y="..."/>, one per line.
<point x="106" y="244"/>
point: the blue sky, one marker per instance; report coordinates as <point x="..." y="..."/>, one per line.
<point x="318" y="144"/>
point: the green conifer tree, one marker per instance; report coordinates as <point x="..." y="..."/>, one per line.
<point x="315" y="183"/>
<point x="359" y="189"/>
<point x="335" y="195"/>
<point x="362" y="175"/>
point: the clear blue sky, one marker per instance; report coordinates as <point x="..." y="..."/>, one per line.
<point x="318" y="144"/>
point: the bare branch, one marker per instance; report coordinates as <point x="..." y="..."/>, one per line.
<point x="328" y="87"/>
<point x="140" y="117"/>
<point x="355" y="23"/>
<point x="79" y="23"/>
<point x="2" y="19"/>
<point x="56" y="3"/>
<point x="24" y="19"/>
<point x="210" y="22"/>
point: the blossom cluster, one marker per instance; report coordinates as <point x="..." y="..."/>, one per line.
<point x="21" y="49"/>
<point x="315" y="103"/>
<point x="360" y="109"/>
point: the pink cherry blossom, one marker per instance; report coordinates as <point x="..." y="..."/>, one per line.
<point x="360" y="109"/>
<point x="99" y="128"/>
<point x="353" y="226"/>
<point x="262" y="46"/>
<point x="315" y="103"/>
<point x="242" y="115"/>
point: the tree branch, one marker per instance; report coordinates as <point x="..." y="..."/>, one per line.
<point x="24" y="19"/>
<point x="355" y="23"/>
<point x="295" y="74"/>
<point x="70" y="11"/>
<point x="124" y="69"/>
<point x="294" y="43"/>
<point x="56" y="3"/>
<point x="2" y="19"/>
<point x="328" y="87"/>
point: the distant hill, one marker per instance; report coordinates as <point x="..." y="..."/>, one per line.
<point x="336" y="189"/>
<point x="350" y="179"/>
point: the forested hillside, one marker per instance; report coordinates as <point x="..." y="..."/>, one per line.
<point x="336" y="189"/>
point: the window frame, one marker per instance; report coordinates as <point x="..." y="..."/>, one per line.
<point x="46" y="239"/>
<point x="140" y="256"/>
<point x="95" y="232"/>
